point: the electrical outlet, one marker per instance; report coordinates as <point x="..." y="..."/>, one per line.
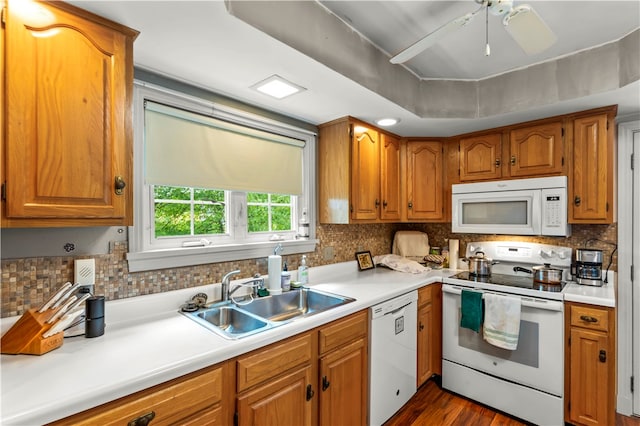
<point x="85" y="274"/>
<point x="328" y="253"/>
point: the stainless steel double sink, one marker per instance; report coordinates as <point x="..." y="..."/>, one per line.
<point x="238" y="319"/>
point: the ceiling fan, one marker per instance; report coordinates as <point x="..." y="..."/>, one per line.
<point x="522" y="23"/>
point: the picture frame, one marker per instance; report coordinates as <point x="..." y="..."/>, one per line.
<point x="365" y="261"/>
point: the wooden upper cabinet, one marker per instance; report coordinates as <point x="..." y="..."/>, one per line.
<point x="424" y="180"/>
<point x="365" y="174"/>
<point x="536" y="150"/>
<point x="390" y="187"/>
<point x="359" y="169"/>
<point x="592" y="175"/>
<point x="68" y="145"/>
<point x="481" y="157"/>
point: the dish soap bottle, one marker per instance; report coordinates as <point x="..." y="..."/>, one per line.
<point x="303" y="225"/>
<point x="303" y="271"/>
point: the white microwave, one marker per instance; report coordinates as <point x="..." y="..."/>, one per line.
<point x="536" y="206"/>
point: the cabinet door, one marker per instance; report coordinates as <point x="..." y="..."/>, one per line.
<point x="280" y="402"/>
<point x="480" y="157"/>
<point x="424" y="180"/>
<point x="537" y="150"/>
<point x="589" y="388"/>
<point x="365" y="174"/>
<point x="343" y="386"/>
<point x="68" y="140"/>
<point x="390" y="178"/>
<point x="425" y="369"/>
<point x="592" y="197"/>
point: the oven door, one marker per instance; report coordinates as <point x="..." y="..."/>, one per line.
<point x="538" y="360"/>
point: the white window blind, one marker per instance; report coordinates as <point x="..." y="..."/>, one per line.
<point x="188" y="149"/>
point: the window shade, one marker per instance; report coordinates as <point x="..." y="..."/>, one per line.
<point x="188" y="149"/>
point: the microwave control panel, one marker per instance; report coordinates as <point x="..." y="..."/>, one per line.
<point x="554" y="211"/>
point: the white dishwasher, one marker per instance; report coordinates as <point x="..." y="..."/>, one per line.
<point x="392" y="349"/>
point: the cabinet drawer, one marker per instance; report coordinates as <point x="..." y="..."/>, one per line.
<point x="342" y="331"/>
<point x="588" y="317"/>
<point x="424" y="295"/>
<point x="267" y="363"/>
<point x="171" y="402"/>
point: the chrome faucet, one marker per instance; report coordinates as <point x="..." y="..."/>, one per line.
<point x="225" y="284"/>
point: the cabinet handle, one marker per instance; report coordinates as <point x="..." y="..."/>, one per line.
<point x="377" y="203"/>
<point x="410" y="204"/>
<point x="588" y="318"/>
<point x="577" y="200"/>
<point x="497" y="163"/>
<point x="310" y="392"/>
<point x="119" y="185"/>
<point x="143" y="420"/>
<point x="421" y="326"/>
<point x="513" y="160"/>
<point x="603" y="355"/>
<point x="384" y="204"/>
<point x="325" y="383"/>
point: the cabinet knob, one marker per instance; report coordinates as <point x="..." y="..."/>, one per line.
<point x="421" y="326"/>
<point x="119" y="185"/>
<point x="410" y="204"/>
<point x="377" y="203"/>
<point x="143" y="420"/>
<point x="513" y="160"/>
<point x="325" y="383"/>
<point x="497" y="163"/>
<point x="577" y="200"/>
<point x="310" y="392"/>
<point x="602" y="356"/>
<point x="384" y="203"/>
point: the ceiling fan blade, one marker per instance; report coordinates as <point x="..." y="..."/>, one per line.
<point x="526" y="27"/>
<point x="433" y="37"/>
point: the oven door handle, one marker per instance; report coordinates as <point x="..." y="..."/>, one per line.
<point x="549" y="305"/>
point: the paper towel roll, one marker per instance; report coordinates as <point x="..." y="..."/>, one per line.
<point x="454" y="248"/>
<point x="275" y="273"/>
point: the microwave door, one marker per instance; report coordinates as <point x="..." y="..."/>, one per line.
<point x="506" y="212"/>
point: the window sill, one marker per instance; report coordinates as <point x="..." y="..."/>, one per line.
<point x="179" y="257"/>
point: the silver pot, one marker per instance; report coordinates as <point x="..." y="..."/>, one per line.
<point x="479" y="264"/>
<point x="545" y="274"/>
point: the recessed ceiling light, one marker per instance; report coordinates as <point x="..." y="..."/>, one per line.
<point x="277" y="87"/>
<point x="388" y="121"/>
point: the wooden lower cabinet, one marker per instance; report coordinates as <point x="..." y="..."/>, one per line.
<point x="429" y="332"/>
<point x="196" y="399"/>
<point x="590" y="365"/>
<point x="343" y="391"/>
<point x="284" y="401"/>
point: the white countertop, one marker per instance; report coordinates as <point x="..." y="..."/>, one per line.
<point x="147" y="342"/>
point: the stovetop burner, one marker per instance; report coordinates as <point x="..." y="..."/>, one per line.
<point x="510" y="280"/>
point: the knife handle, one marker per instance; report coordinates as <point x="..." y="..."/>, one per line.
<point x="62" y="310"/>
<point x="46" y="305"/>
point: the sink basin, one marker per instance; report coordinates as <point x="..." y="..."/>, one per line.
<point x="240" y="319"/>
<point x="293" y="304"/>
<point x="229" y="321"/>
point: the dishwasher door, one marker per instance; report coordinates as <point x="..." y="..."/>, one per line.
<point x="392" y="367"/>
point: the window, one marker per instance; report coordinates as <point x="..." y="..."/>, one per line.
<point x="214" y="184"/>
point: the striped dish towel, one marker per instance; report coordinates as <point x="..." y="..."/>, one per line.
<point x="501" y="320"/>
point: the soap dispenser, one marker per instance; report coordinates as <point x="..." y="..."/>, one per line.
<point x="303" y="271"/>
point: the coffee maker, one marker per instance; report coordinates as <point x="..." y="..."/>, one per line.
<point x="588" y="267"/>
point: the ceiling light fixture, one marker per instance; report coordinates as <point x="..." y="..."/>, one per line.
<point x="277" y="87"/>
<point x="384" y="122"/>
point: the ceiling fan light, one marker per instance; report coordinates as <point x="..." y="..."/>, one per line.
<point x="526" y="27"/>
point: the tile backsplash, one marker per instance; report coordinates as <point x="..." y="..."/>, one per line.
<point x="27" y="282"/>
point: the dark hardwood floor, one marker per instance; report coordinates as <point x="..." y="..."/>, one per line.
<point x="432" y="405"/>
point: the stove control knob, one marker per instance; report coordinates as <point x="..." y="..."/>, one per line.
<point x="562" y="254"/>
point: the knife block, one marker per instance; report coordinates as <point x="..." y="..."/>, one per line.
<point x="25" y="336"/>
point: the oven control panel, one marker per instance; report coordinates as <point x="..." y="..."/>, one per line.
<point x="522" y="252"/>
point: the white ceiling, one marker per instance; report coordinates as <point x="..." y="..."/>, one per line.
<point x="200" y="43"/>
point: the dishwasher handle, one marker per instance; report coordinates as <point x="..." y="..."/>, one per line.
<point x="395" y="311"/>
